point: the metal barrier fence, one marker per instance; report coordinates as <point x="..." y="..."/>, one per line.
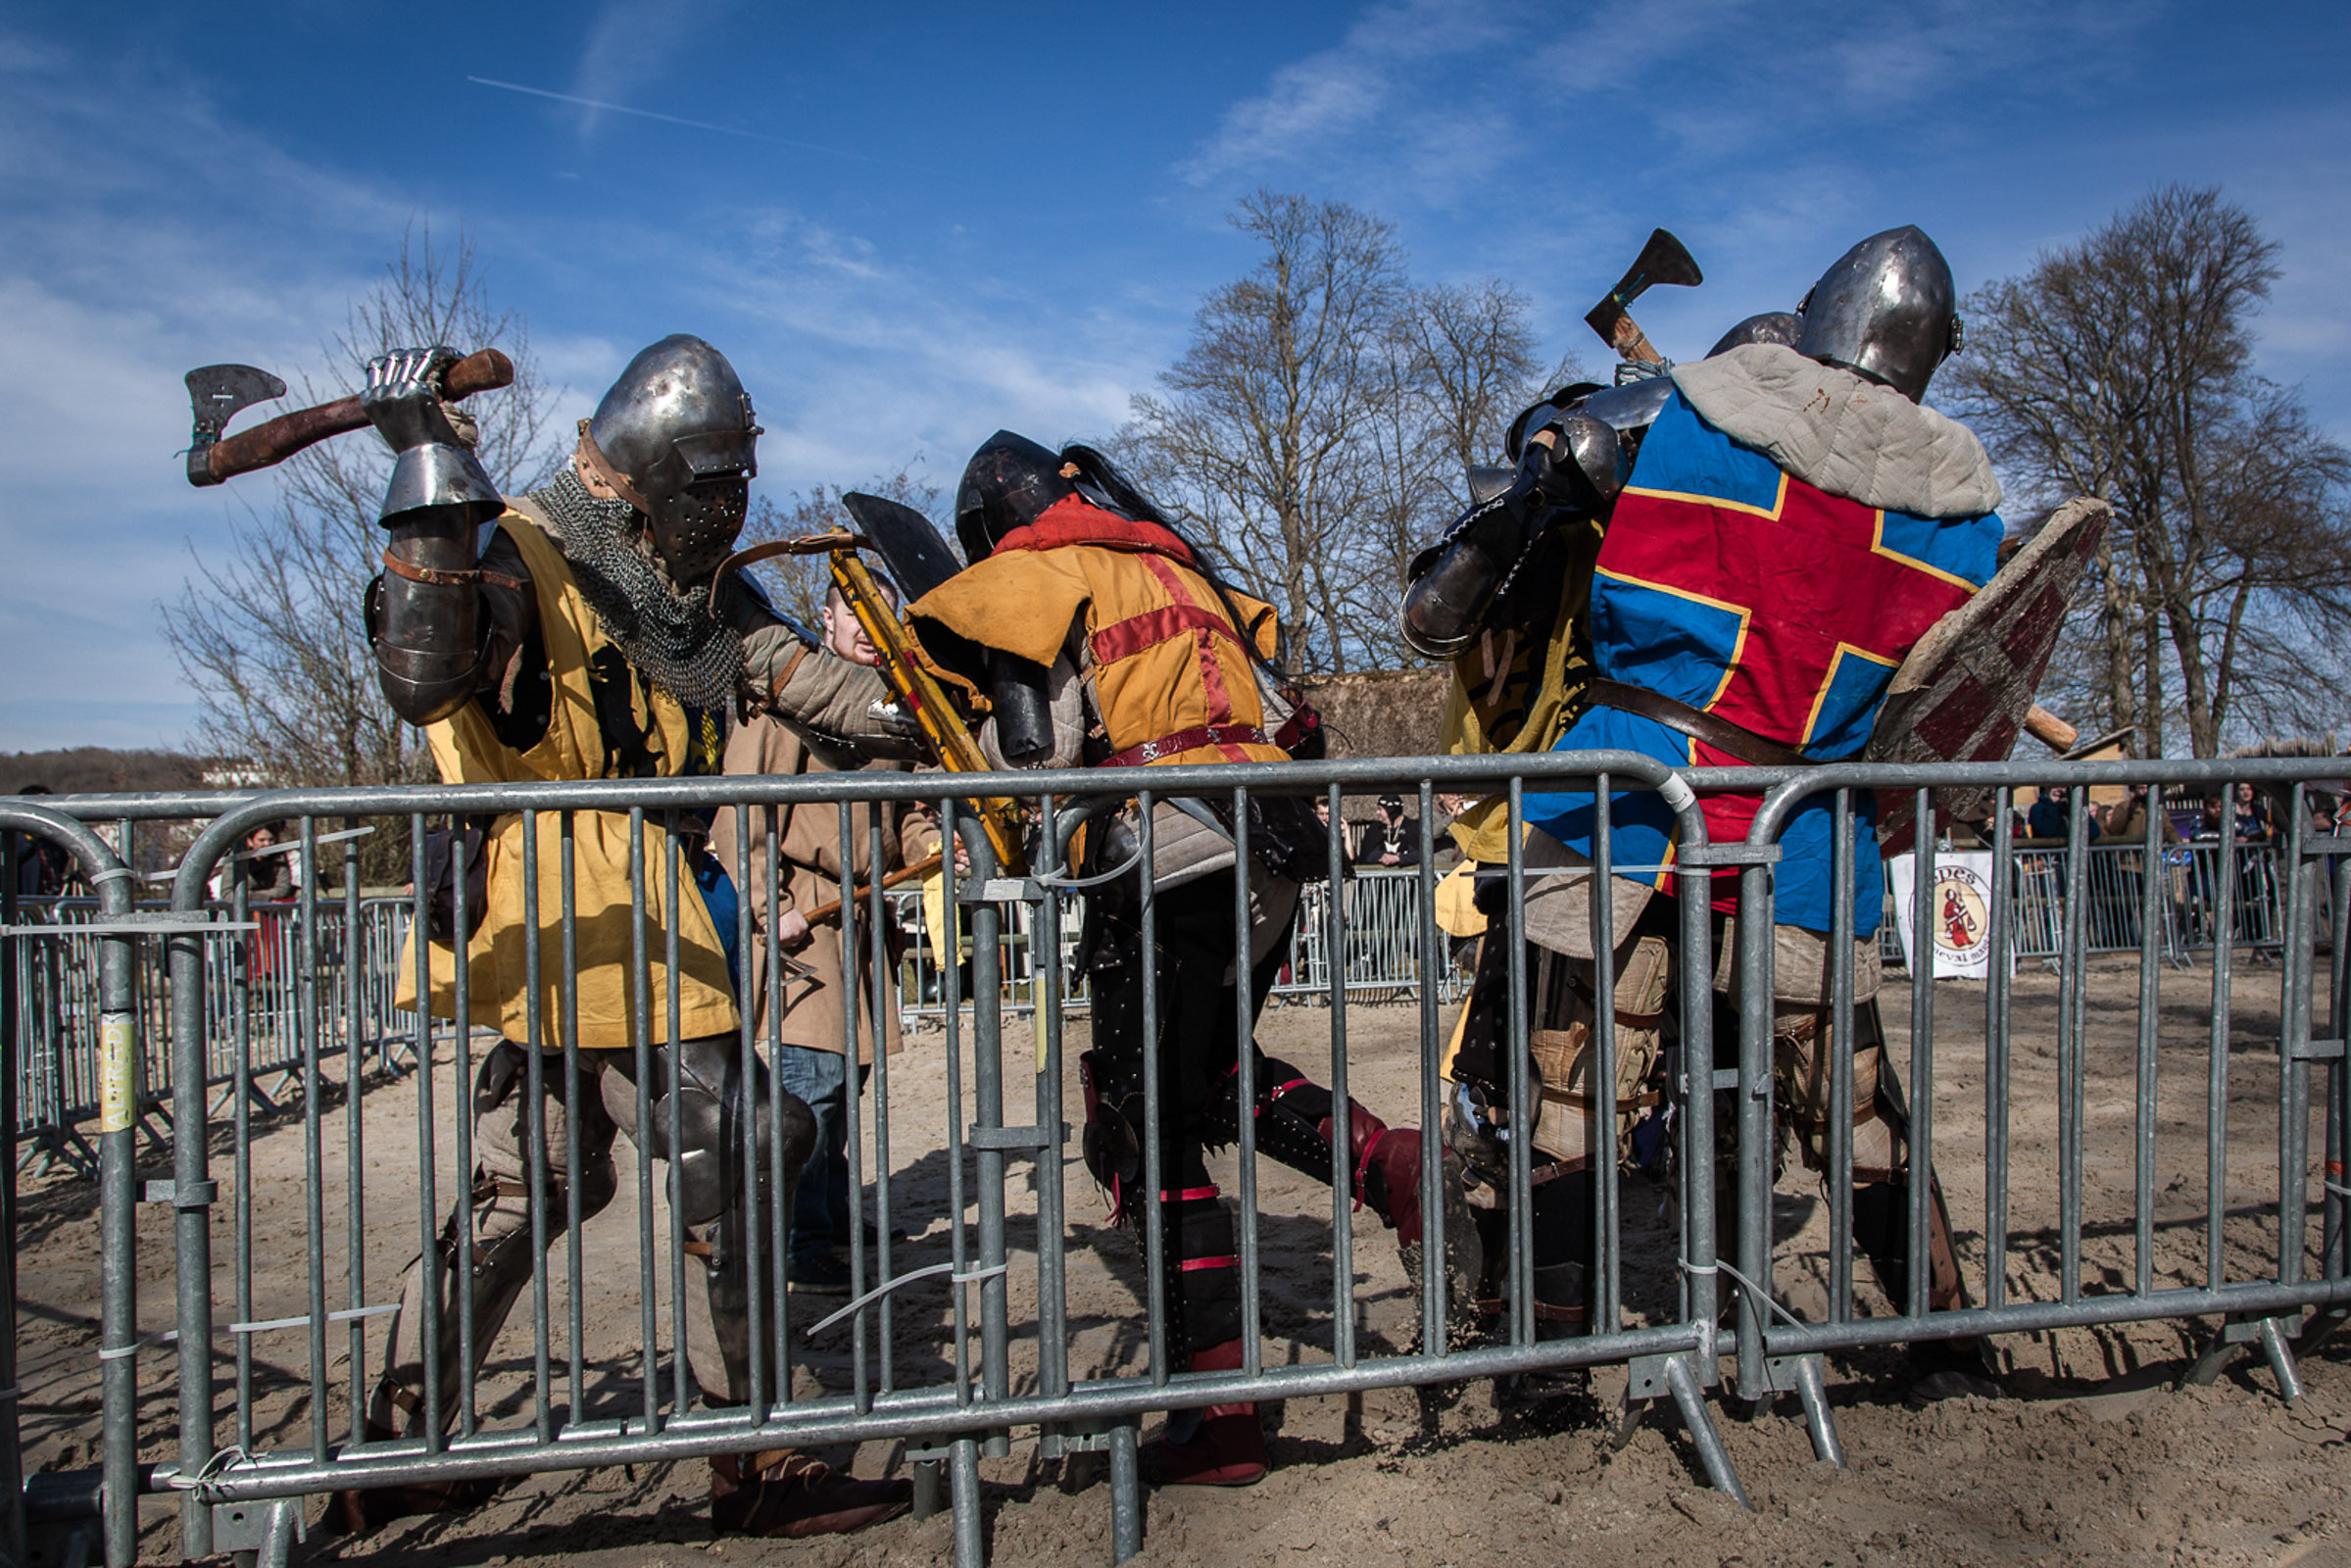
<point x="2257" y="1272"/>
<point x="253" y="985"/>
<point x="582" y="1387"/>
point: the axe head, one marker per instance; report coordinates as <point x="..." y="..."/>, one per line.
<point x="1663" y="259"/>
<point x="216" y="394"/>
<point x="908" y="543"/>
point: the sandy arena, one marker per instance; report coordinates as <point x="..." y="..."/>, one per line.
<point x="2090" y="1455"/>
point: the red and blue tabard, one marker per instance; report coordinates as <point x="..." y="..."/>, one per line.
<point x="1730" y="585"/>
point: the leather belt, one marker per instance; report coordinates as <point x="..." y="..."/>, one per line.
<point x="1717" y="732"/>
<point x="1186" y="739"/>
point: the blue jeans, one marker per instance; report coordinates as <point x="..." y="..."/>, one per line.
<point x="820" y="1209"/>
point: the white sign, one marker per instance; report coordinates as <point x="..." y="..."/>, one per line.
<point x="1958" y="911"/>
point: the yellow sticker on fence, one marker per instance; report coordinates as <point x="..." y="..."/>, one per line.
<point x="115" y="1077"/>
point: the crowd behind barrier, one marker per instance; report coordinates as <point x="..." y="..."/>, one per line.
<point x="160" y="1010"/>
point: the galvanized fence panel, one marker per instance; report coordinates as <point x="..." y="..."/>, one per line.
<point x="2119" y="1253"/>
<point x="942" y="1374"/>
<point x="323" y="1257"/>
<point x="252" y="990"/>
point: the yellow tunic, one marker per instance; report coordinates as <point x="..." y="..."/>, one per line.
<point x="1514" y="694"/>
<point x="583" y="667"/>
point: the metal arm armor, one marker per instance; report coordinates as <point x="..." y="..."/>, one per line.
<point x="424" y="616"/>
<point x="1455" y="582"/>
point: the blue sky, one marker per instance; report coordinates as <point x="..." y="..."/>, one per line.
<point x="910" y="227"/>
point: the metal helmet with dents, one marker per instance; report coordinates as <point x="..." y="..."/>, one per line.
<point x="1888" y="309"/>
<point x="1783" y="327"/>
<point x="676" y="438"/>
<point x="1007" y="485"/>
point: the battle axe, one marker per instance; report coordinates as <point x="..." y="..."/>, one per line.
<point x="1663" y="259"/>
<point x="216" y="392"/>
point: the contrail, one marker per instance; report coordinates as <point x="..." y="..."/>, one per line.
<point x="694" y="124"/>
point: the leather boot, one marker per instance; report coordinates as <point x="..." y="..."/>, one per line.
<point x="1225" y="1449"/>
<point x="357" y="1510"/>
<point x="784" y="1494"/>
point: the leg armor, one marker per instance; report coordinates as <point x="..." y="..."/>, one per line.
<point x="1561" y="1047"/>
<point x="500" y="1201"/>
<point x="716" y="1105"/>
<point x="1802" y="1058"/>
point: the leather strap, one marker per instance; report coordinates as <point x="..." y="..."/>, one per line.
<point x="1186" y="739"/>
<point x="610" y="474"/>
<point x="451" y="579"/>
<point x="1712" y="729"/>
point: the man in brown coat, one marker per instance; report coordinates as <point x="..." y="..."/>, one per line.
<point x="811" y="1059"/>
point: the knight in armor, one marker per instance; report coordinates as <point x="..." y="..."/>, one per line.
<point x="1102" y="638"/>
<point x="1752" y="543"/>
<point x="580" y="641"/>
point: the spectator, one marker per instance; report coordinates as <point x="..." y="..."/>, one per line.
<point x="44" y="866"/>
<point x="2047" y="818"/>
<point x="263" y="870"/>
<point x="1391" y="838"/>
<point x="2254" y="823"/>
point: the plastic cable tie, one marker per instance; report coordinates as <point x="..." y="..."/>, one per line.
<point x="1752" y="1289"/>
<point x="875" y="1295"/>
<point x="11" y="1393"/>
<point x="221" y="1463"/>
<point x="1677" y="793"/>
<point x="139" y="1344"/>
<point x="976" y="1275"/>
<point x="113" y="873"/>
<point x="347" y="1315"/>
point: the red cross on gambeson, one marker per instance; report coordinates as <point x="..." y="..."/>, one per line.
<point x="1811" y="580"/>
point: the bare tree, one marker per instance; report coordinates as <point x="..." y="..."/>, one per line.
<point x="796" y="585"/>
<point x="1258" y="437"/>
<point x="1315" y="431"/>
<point x="271" y="632"/>
<point x="2121" y="366"/>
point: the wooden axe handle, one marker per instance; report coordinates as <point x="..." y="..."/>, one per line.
<point x="273" y="442"/>
<point x="825" y="913"/>
<point x="2050" y="730"/>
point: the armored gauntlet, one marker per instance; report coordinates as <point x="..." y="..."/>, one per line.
<point x="424" y="617"/>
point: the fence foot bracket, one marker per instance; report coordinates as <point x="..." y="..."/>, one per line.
<point x="2236" y="1336"/>
<point x="1681" y="1376"/>
<point x="1802" y="1376"/>
<point x="260" y="1534"/>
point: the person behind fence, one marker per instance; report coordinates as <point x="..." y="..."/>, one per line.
<point x="44" y="868"/>
<point x="1082" y="606"/>
<point x="1770" y="530"/>
<point x="810" y="1058"/>
<point x="582" y="641"/>
<point x="1391" y="838"/>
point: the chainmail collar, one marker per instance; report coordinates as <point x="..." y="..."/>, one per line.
<point x="669" y="634"/>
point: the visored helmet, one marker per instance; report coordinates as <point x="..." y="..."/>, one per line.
<point x="676" y="438"/>
<point x="1888" y="309"/>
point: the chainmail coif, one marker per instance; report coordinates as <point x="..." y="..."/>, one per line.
<point x="669" y="634"/>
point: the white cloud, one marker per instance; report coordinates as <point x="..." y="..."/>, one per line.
<point x="1361" y="87"/>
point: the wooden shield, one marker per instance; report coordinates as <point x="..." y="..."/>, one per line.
<point x="1960" y="695"/>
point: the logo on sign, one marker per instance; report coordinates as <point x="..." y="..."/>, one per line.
<point x="1962" y="913"/>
